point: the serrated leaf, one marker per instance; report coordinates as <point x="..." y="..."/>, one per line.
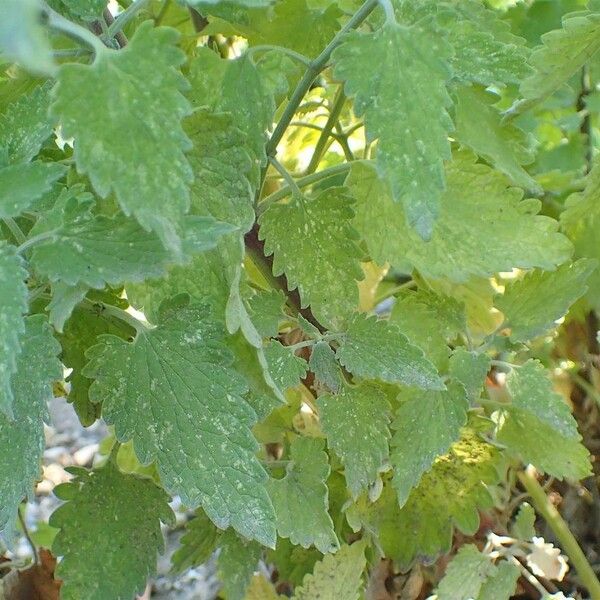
<point x="533" y="304"/>
<point x="470" y="368"/>
<point x="313" y="243"/>
<point x="197" y="544"/>
<point x="237" y="562"/>
<point x="538" y="425"/>
<point x="376" y="349"/>
<point x="355" y="422"/>
<point x="25" y="125"/>
<point x="64" y="299"/>
<point x="22" y="184"/>
<point x="501" y="585"/>
<point x="266" y="311"/>
<point x="98" y="526"/>
<point x="324" y="365"/>
<point x="301" y="497"/>
<point x="404" y="103"/>
<point x="451" y="494"/>
<point x="22" y="439"/>
<point x="465" y="574"/>
<point x="523" y="526"/>
<point x="479" y="126"/>
<point x="22" y="37"/>
<point x="95" y="249"/>
<point x="13" y="304"/>
<point x="286" y="369"/>
<point x="425" y="426"/>
<point x="478" y="206"/>
<point x="562" y="53"/>
<point x="337" y="576"/>
<point x="128" y="133"/>
<point x="172" y="391"/>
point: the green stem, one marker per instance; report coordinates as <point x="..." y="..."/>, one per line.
<point x="116" y="312"/>
<point x="291" y="184"/>
<point x="72" y="30"/>
<point x="36" y="239"/>
<point x="19" y="236"/>
<point x="301" y="183"/>
<point x="504" y="365"/>
<point x="559" y="527"/>
<point x="288" y="51"/>
<point x="163" y="11"/>
<point x="336" y="109"/>
<point x="126" y="16"/>
<point x="311" y="73"/>
<point x="27" y="535"/>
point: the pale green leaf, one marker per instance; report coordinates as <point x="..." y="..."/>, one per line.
<point x="286" y="369"/>
<point x="13" y="304"/>
<point x="109" y="519"/>
<point x="377" y="349"/>
<point x="324" y="365"/>
<point x="207" y="4"/>
<point x="265" y="308"/>
<point x="128" y="134"/>
<point x="523" y="526"/>
<point x="335" y="577"/>
<point x="356" y="424"/>
<point x="261" y="588"/>
<point x="470" y="368"/>
<point x="22" y="439"/>
<point x="64" y="299"/>
<point x="25" y="124"/>
<point x="533" y="304"/>
<point x="301" y="497"/>
<point x="404" y="102"/>
<point x="465" y="574"/>
<point x="313" y="243"/>
<point x="22" y="37"/>
<point x="479" y="126"/>
<point x="478" y="206"/>
<point x="539" y="426"/>
<point x="197" y="544"/>
<point x="425" y="426"/>
<point x="237" y="562"/>
<point x="502" y="584"/>
<point x="22" y="184"/>
<point x="172" y="391"/>
<point x="86" y="9"/>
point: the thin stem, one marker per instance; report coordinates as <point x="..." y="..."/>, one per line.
<point x="126" y="16"/>
<point x="109" y="20"/>
<point x="302" y="182"/>
<point x="291" y="53"/>
<point x="504" y="365"/>
<point x="27" y="535"/>
<point x="336" y="109"/>
<point x="114" y="451"/>
<point x="586" y="386"/>
<point x="68" y="52"/>
<point x="291" y="184"/>
<point x="390" y="15"/>
<point x="559" y="527"/>
<point x="116" y="312"/>
<point x="36" y="239"/>
<point x="72" y="30"/>
<point x="311" y="73"/>
<point x="162" y="12"/>
<point x="19" y="236"/>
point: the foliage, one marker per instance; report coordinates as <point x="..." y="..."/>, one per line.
<point x="324" y="266"/>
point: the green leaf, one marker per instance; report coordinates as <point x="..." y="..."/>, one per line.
<point x="337" y="576"/>
<point x="207" y="4"/>
<point x="404" y="103"/>
<point x="13" y="304"/>
<point x="479" y="126"/>
<point x="64" y="299"/>
<point x="22" y="37"/>
<point x="266" y="311"/>
<point x="523" y="526"/>
<point x="562" y="53"/>
<point x="25" y="125"/>
<point x="22" y="184"/>
<point x="501" y="585"/>
<point x="465" y="574"/>
<point x="87" y="248"/>
<point x="128" y="134"/>
<point x="324" y="365"/>
<point x="533" y="304"/>
<point x="356" y="424"/>
<point x="538" y="425"/>
<point x="478" y="206"/>
<point x="425" y="426"/>
<point x="237" y="562"/>
<point x="172" y="391"/>
<point x="22" y="439"/>
<point x="81" y="332"/>
<point x="197" y="544"/>
<point x="286" y="369"/>
<point x="301" y="497"/>
<point x="86" y="9"/>
<point x="450" y="494"/>
<point x="376" y="349"/>
<point x="470" y="368"/>
<point x="261" y="589"/>
<point x="313" y="243"/>
<point x="293" y="563"/>
<point x="97" y="521"/>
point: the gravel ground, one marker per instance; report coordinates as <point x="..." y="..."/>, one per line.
<point x="68" y="444"/>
